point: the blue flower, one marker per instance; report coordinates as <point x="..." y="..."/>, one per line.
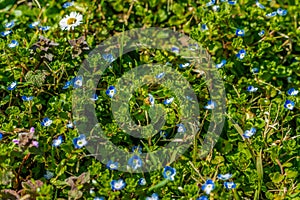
<point x="212" y="2"/>
<point x="181" y="66"/>
<point x="272" y="14"/>
<point x="68" y="84"/>
<point x="137" y="149"/>
<point x="34" y="24"/>
<point x="77" y="82"/>
<point x="221" y="64"/>
<point x="240" y="32"/>
<point x="224" y="177"/>
<point x="46" y="122"/>
<point x="117" y="184"/>
<point x="135" y="162"/>
<point x="249" y="133"/>
<point x="204" y="27"/>
<point x="142" y="181"/>
<point x="9" y="24"/>
<point x="241" y="54"/>
<point x="251" y="88"/>
<point x="154" y="196"/>
<point x="169" y="173"/>
<point x="255" y="70"/>
<point x="281" y="12"/>
<point x="111" y="91"/>
<point x="208" y="186"/>
<point x="1" y="136"/>
<point x="48" y="175"/>
<point x="94" y="97"/>
<point x="57" y="142"/>
<point x="70" y="125"/>
<point x="181" y="128"/>
<point x="292" y="92"/>
<point x="169" y="101"/>
<point x="5" y="33"/>
<point x="112" y="165"/>
<point x="175" y="49"/>
<point x="216" y="8"/>
<point x="231" y="2"/>
<point x="25" y="98"/>
<point x="229" y="185"/>
<point x="108" y="57"/>
<point x="13" y="44"/>
<point x="261" y="33"/>
<point x="289" y="104"/>
<point x="160" y="75"/>
<point x="12" y="86"/>
<point x="151" y="99"/>
<point x="80" y="141"/>
<point x="68" y="4"/>
<point x="99" y="198"/>
<point x="202" y="198"/>
<point x="44" y="28"/>
<point x="210" y="105"/>
<point x="260" y="5"/>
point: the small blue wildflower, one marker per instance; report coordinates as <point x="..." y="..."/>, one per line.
<point x="58" y="141"/>
<point x="181" y="66"/>
<point x="154" y="196"/>
<point x="160" y="75"/>
<point x="181" y="128"/>
<point x="221" y="64"/>
<point x="70" y="125"/>
<point x="224" y="177"/>
<point x="289" y="104"/>
<point x="135" y="162"/>
<point x="249" y="133"/>
<point x="111" y="91"/>
<point x="13" y="44"/>
<point x="117" y="184"/>
<point x="68" y="4"/>
<point x="34" y="24"/>
<point x="251" y="88"/>
<point x="80" y="141"/>
<point x="292" y="92"/>
<point x="12" y="86"/>
<point x="142" y="181"/>
<point x="5" y="33"/>
<point x="208" y="186"/>
<point x="44" y="28"/>
<point x="169" y="173"/>
<point x="137" y="149"/>
<point x="204" y="27"/>
<point x="261" y="33"/>
<point x="1" y="136"/>
<point x="241" y="54"/>
<point x="281" y="12"/>
<point x="260" y="5"/>
<point x="108" y="57"/>
<point x="169" y="101"/>
<point x="46" y="122"/>
<point x="229" y="185"/>
<point x="25" y="98"/>
<point x="212" y="2"/>
<point x="216" y="8"/>
<point x="175" y="49"/>
<point x="94" y="97"/>
<point x="255" y="70"/>
<point x="231" y="2"/>
<point x="9" y="24"/>
<point x="210" y="105"/>
<point x="240" y="32"/>
<point x="202" y="198"/>
<point x="48" y="175"/>
<point x="112" y="165"/>
<point x="68" y="84"/>
<point x="151" y="99"/>
<point x="77" y="82"/>
<point x="99" y="198"/>
<point x="272" y="14"/>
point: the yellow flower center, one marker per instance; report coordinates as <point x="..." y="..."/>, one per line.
<point x="71" y="21"/>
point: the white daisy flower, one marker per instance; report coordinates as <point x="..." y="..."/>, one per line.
<point x="70" y="21"/>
